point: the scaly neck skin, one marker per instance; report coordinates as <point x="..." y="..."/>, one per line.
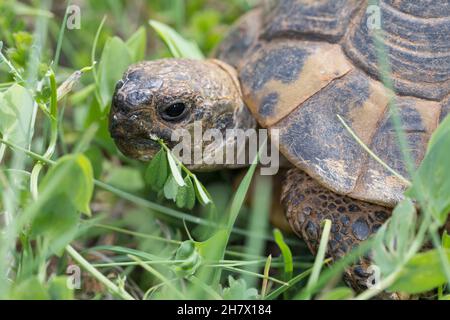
<point x="224" y="142"/>
<point x="218" y="136"/>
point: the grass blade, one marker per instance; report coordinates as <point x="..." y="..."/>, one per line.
<point x="318" y="263"/>
<point x="286" y="253"/>
<point x="178" y="46"/>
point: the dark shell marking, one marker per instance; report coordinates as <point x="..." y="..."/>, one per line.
<point x="282" y="64"/>
<point x="268" y="104"/>
<point x="284" y="68"/>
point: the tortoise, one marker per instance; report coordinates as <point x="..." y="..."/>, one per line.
<point x="293" y="66"/>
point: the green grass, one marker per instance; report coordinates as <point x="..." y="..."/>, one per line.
<point x="167" y="232"/>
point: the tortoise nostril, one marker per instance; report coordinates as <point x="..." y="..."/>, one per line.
<point x="127" y="101"/>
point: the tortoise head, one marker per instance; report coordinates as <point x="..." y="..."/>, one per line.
<point x="159" y="99"/>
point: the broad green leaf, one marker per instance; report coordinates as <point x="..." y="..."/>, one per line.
<point x="175" y="169"/>
<point x="73" y="177"/>
<point x="394" y="238"/>
<point x="7" y="116"/>
<point x="126" y="178"/>
<point x="238" y="290"/>
<point x="180" y="199"/>
<point x="16" y="110"/>
<point x="201" y="192"/>
<point x="57" y="221"/>
<point x="114" y="61"/>
<point x="58" y="289"/>
<point x="170" y="188"/>
<point x="211" y="250"/>
<point x="205" y="29"/>
<point x="442" y="131"/>
<point x="431" y="183"/>
<point x="96" y="157"/>
<point x="186" y="194"/>
<point x="29" y="289"/>
<point x="208" y="248"/>
<point x="64" y="192"/>
<point x="423" y="272"/>
<point x="178" y="46"/>
<point x="137" y="44"/>
<point x="157" y="171"/>
<point x="342" y="293"/>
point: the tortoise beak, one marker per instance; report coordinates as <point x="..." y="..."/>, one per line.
<point x="131" y="139"/>
<point x="138" y="148"/>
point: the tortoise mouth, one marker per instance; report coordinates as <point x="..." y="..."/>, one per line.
<point x="131" y="137"/>
<point x="137" y="147"/>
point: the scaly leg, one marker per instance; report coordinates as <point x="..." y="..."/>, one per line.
<point x="307" y="204"/>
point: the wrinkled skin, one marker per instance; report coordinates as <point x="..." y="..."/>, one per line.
<point x="155" y="98"/>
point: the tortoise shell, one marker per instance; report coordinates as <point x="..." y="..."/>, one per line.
<point x="302" y="63"/>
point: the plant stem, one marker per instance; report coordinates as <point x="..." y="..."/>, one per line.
<point x="318" y="263"/>
<point x="266" y="276"/>
<point x="158" y="275"/>
<point x="370" y="152"/>
<point x="258" y="275"/>
<point x="34" y="180"/>
<point x="97" y="274"/>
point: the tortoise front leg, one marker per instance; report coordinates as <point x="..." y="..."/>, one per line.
<point x="307" y="204"/>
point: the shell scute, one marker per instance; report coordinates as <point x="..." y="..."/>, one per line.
<point x="313" y="138"/>
<point x="280" y="76"/>
<point x="418" y="50"/>
<point x="324" y="19"/>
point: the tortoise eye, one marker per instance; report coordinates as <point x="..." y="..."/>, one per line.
<point x="174" y="112"/>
